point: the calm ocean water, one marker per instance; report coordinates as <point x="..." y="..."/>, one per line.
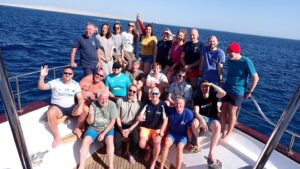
<point x="31" y="38"/>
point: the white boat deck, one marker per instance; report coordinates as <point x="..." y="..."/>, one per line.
<point x="240" y="151"/>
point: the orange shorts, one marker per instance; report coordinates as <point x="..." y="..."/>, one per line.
<point x="148" y="133"/>
<point x="193" y="74"/>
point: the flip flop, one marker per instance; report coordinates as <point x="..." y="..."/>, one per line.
<point x="196" y="149"/>
<point x="217" y="164"/>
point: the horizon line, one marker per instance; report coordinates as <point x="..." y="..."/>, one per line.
<point x="102" y="15"/>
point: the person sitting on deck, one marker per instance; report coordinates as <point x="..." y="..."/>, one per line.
<point x="117" y="82"/>
<point x="207" y="111"/>
<point x="157" y="79"/>
<point x="153" y="121"/>
<point x="239" y="69"/>
<point x="102" y="116"/>
<point x="64" y="90"/>
<point x="179" y="121"/>
<point x="126" y="125"/>
<point x="90" y="86"/>
<point x="180" y="88"/>
<point x="137" y="77"/>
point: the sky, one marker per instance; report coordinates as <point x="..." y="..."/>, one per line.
<point x="274" y="18"/>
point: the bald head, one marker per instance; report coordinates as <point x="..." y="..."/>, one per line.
<point x="194" y="35"/>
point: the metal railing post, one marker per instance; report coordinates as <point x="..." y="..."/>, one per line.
<point x="12" y="116"/>
<point x="279" y="129"/>
<point x="18" y="96"/>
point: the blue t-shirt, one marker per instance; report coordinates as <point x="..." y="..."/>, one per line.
<point x="193" y="52"/>
<point x="88" y="50"/>
<point x="210" y="63"/>
<point x="118" y="84"/>
<point x="238" y="72"/>
<point x="178" y="123"/>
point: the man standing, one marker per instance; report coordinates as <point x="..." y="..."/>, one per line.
<point x="62" y="100"/>
<point x="212" y="62"/>
<point x="126" y="126"/>
<point x="239" y="69"/>
<point x="153" y="121"/>
<point x="206" y="115"/>
<point x="191" y="57"/>
<point x="90" y="55"/>
<point x="102" y="117"/>
<point x="179" y="120"/>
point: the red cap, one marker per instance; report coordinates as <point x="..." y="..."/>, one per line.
<point x="234" y="47"/>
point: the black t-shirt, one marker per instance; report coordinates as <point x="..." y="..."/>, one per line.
<point x="208" y="107"/>
<point x="155" y="115"/>
<point x="193" y="52"/>
<point x="163" y="48"/>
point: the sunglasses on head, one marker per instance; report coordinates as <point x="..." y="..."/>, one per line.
<point x="67" y="73"/>
<point x="133" y="91"/>
<point x="154" y="93"/>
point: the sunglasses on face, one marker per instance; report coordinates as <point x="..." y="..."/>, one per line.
<point x="181" y="76"/>
<point x="67" y="73"/>
<point x="154" y="94"/>
<point x="133" y="91"/>
<point x="99" y="74"/>
<point x="131" y="25"/>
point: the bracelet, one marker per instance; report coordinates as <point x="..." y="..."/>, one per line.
<point x="42" y="77"/>
<point x="249" y="92"/>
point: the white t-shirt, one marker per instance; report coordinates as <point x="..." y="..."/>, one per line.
<point x="63" y="94"/>
<point x="161" y="78"/>
<point x="128" y="41"/>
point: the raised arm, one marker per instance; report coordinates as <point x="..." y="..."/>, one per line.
<point x="41" y="83"/>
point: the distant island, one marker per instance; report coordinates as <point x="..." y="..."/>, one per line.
<point x="63" y="10"/>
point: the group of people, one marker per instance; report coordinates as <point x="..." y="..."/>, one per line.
<point x="151" y="97"/>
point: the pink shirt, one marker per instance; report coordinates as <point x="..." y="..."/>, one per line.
<point x="175" y="53"/>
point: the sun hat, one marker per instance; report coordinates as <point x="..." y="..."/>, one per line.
<point x="234" y="47"/>
<point x="167" y="30"/>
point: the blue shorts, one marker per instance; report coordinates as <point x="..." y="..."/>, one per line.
<point x="94" y="134"/>
<point x="177" y="138"/>
<point x="65" y="111"/>
<point x="89" y="69"/>
<point x="234" y="100"/>
<point x="208" y="120"/>
<point x="146" y="58"/>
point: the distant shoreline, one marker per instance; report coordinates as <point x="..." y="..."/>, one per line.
<point x="64" y="10"/>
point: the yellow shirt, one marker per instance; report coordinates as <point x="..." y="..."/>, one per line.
<point x="147" y="45"/>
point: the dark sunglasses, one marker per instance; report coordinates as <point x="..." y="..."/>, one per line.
<point x="181" y="76"/>
<point x="99" y="74"/>
<point x="133" y="91"/>
<point x="154" y="93"/>
<point x="131" y="25"/>
<point x="67" y="73"/>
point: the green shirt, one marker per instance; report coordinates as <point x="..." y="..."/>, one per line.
<point x="103" y="115"/>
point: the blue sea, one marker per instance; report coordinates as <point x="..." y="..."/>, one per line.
<point x="31" y="38"/>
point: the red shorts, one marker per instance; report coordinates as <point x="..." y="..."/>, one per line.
<point x="193" y="74"/>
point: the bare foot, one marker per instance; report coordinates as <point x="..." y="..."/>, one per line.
<point x="56" y="142"/>
<point x="225" y="138"/>
<point x="78" y="133"/>
<point x="152" y="166"/>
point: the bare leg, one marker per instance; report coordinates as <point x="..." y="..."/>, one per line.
<point x="165" y="151"/>
<point x="110" y="148"/>
<point x="216" y="133"/>
<point x="146" y="68"/>
<point x="180" y="147"/>
<point x="155" y="153"/>
<point x="53" y="114"/>
<point x="224" y="112"/>
<point x="232" y="121"/>
<point x="87" y="141"/>
<point x="196" y="129"/>
<point x="193" y="82"/>
<point x="81" y="121"/>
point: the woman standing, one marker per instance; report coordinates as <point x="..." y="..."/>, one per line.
<point x="107" y="46"/>
<point x="130" y="38"/>
<point x="148" y="49"/>
<point x="118" y="54"/>
<point x="175" y="54"/>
